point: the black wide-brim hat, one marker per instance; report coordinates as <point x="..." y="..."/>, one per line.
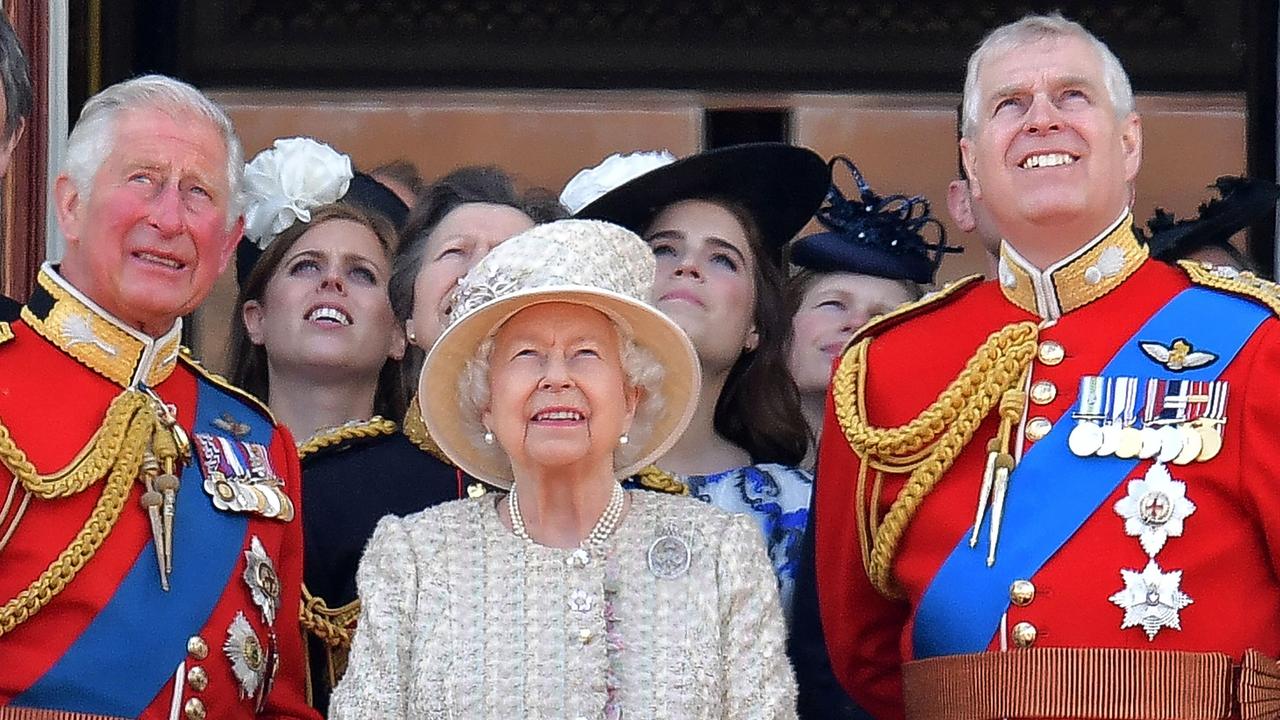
<point x="1243" y="202"/>
<point x="780" y="185"/>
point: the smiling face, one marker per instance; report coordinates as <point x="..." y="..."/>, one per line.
<point x="457" y="243"/>
<point x="559" y="394"/>
<point x="326" y="308"/>
<point x="1048" y="150"/>
<point x="833" y="307"/>
<point x="706" y="279"/>
<point x="152" y="236"/>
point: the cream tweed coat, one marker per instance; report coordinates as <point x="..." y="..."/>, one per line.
<point x="462" y="619"/>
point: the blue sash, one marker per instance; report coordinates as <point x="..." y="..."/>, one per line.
<point x="134" y="645"/>
<point x="1052" y="492"/>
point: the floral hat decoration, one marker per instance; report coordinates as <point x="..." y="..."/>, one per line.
<point x="614" y="171"/>
<point x="872" y="234"/>
<point x="288" y="181"/>
<point x="584" y="262"/>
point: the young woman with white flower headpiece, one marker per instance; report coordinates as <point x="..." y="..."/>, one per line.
<point x="716" y="222"/>
<point x="314" y="337"/>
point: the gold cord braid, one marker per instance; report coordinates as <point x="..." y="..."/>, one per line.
<point x="927" y="446"/>
<point x="332" y="626"/>
<point x="124" y="469"/>
<point x="375" y="426"/>
<point x="89" y="465"/>
<point x="655" y="478"/>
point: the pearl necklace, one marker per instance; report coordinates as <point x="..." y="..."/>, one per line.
<point x="604" y="527"/>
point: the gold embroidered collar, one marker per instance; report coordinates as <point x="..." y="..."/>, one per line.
<point x="1077" y="280"/>
<point x="375" y="426"/>
<point x="91" y="335"/>
<point x="415" y="428"/>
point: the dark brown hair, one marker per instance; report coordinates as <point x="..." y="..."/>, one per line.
<point x="759" y="407"/>
<point x="473" y="184"/>
<point x="248" y="362"/>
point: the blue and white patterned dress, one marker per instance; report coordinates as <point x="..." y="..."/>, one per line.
<point x="777" y="496"/>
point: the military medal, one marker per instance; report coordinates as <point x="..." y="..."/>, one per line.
<point x="1151" y="599"/>
<point x="1155" y="508"/>
<point x="1086" y="436"/>
<point x="248" y="658"/>
<point x="260" y="576"/>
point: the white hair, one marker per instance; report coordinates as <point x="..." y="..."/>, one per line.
<point x="92" y="138"/>
<point x="1035" y="28"/>
<point x="640" y="367"/>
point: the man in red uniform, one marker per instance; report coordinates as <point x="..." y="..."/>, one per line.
<point x="150" y="542"/>
<point x="1055" y="494"/>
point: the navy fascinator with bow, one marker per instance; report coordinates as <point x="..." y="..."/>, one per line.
<point x="873" y="235"/>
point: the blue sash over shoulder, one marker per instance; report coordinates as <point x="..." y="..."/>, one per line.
<point x="960" y="611"/>
<point x="133" y="647"/>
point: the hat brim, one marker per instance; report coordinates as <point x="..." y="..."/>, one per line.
<point x="439" y="386"/>
<point x="832" y="252"/>
<point x="780" y="185"/>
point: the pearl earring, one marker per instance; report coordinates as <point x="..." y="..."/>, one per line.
<point x="624" y="439"/>
<point x="413" y="338"/>
<point x="488" y="437"/>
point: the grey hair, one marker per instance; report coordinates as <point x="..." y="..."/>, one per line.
<point x="91" y="139"/>
<point x="1031" y="29"/>
<point x="639" y="365"/>
<point x="18" y="96"/>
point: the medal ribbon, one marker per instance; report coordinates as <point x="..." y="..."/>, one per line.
<point x="1052" y="492"/>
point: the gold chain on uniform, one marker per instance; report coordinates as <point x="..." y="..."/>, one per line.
<point x="116" y="449"/>
<point x="927" y="446"/>
<point x="375" y="426"/>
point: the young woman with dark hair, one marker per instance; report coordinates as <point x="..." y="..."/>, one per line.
<point x="716" y="223"/>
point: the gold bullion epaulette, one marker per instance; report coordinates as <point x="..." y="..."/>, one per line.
<point x="652" y="477"/>
<point x="6" y="333"/>
<point x="1237" y="282"/>
<point x="929" y="302"/>
<point x="185" y="356"/>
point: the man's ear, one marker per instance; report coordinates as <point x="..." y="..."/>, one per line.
<point x="1131" y="143"/>
<point x="70" y="209"/>
<point x="228" y="249"/>
<point x="251" y="313"/>
<point x="960" y="206"/>
<point x="969" y="159"/>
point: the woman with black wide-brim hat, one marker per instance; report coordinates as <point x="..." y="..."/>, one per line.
<point x="717" y="222"/>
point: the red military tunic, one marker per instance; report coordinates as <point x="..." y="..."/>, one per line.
<point x="1227" y="553"/>
<point x="60" y="369"/>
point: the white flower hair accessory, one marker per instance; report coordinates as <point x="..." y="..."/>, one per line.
<point x="616" y="170"/>
<point x="285" y="182"/>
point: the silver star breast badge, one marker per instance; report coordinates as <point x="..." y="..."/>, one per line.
<point x="1151" y="599"/>
<point x="260" y="576"/>
<point x="1155" y="508"/>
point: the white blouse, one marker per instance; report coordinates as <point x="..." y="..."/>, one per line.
<point x="677" y="616"/>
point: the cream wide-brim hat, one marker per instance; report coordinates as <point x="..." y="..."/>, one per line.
<point x="439" y="386"/>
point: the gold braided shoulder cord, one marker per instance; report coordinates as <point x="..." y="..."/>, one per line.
<point x="927" y="446"/>
<point x="89" y="465"/>
<point x="376" y="426"/>
<point x="332" y="626"/>
<point x="127" y="463"/>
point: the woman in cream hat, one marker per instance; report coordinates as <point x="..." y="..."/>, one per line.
<point x="568" y="597"/>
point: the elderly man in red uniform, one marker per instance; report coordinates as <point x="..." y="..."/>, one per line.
<point x="150" y="544"/>
<point x="1056" y="494"/>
